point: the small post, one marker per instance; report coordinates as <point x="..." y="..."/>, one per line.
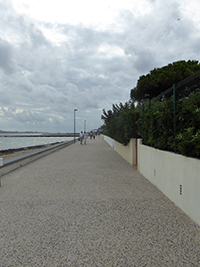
<point x="1" y="164"/>
<point x="174" y="93"/>
<point x="142" y="120"/>
<point x="84" y="125"/>
<point x="149" y="104"/>
<point x="74" y="124"/>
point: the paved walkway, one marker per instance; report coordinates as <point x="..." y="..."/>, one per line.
<point x="86" y="206"/>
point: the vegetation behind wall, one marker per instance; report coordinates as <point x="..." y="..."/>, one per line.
<point x="170" y="121"/>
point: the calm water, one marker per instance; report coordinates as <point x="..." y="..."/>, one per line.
<point x="18" y="142"/>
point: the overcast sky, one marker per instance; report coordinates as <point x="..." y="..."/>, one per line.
<point x="61" y="55"/>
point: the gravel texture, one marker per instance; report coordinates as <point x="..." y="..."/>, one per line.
<point x="84" y="205"/>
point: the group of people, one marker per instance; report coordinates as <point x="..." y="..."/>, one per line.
<point x="84" y="136"/>
<point x="92" y="135"/>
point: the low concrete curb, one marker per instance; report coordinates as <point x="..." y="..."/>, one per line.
<point x="19" y="161"/>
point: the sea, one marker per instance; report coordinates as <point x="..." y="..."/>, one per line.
<point x="12" y="141"/>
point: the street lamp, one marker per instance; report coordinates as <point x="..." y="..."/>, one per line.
<point x="74" y="123"/>
<point x="84" y="125"/>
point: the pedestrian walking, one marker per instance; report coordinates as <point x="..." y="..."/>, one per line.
<point x="85" y="137"/>
<point x="81" y="137"/>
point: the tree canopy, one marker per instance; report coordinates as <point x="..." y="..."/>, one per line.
<point x="154" y="120"/>
<point x="160" y="79"/>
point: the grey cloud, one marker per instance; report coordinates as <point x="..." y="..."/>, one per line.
<point x="158" y="37"/>
<point x="24" y="30"/>
<point x="37" y="37"/>
<point x="29" y="116"/>
<point x="6" y="56"/>
<point x="88" y="69"/>
<point x="8" y="113"/>
<point x="146" y="60"/>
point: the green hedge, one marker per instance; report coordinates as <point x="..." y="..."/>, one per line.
<point x="123" y="126"/>
<point x="155" y="124"/>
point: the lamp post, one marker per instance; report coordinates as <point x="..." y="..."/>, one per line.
<point x="84" y="125"/>
<point x="74" y="124"/>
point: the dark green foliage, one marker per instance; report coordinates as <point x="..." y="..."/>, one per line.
<point x="120" y="123"/>
<point x="158" y="122"/>
<point x="188" y="142"/>
<point x="188" y="126"/>
<point x="130" y="127"/>
<point x="154" y="121"/>
<point x="188" y="112"/>
<point x="158" y="80"/>
<point x="157" y="126"/>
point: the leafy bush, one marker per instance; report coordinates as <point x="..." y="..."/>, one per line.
<point x="188" y="142"/>
<point x="120" y="123"/>
<point x="188" y="112"/>
<point x="155" y="124"/>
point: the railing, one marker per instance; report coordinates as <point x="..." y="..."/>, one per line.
<point x="19" y="161"/>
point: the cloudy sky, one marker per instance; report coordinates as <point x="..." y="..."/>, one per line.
<point x="61" y="55"/>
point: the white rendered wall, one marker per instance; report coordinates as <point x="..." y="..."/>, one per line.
<point x="172" y="173"/>
<point x="110" y="141"/>
<point x="169" y="172"/>
<point x="127" y="152"/>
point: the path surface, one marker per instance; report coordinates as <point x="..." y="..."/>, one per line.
<point x="86" y="206"/>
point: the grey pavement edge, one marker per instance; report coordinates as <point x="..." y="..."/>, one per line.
<point x="84" y="205"/>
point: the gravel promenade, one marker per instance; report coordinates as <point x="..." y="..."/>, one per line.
<point x="86" y="206"/>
